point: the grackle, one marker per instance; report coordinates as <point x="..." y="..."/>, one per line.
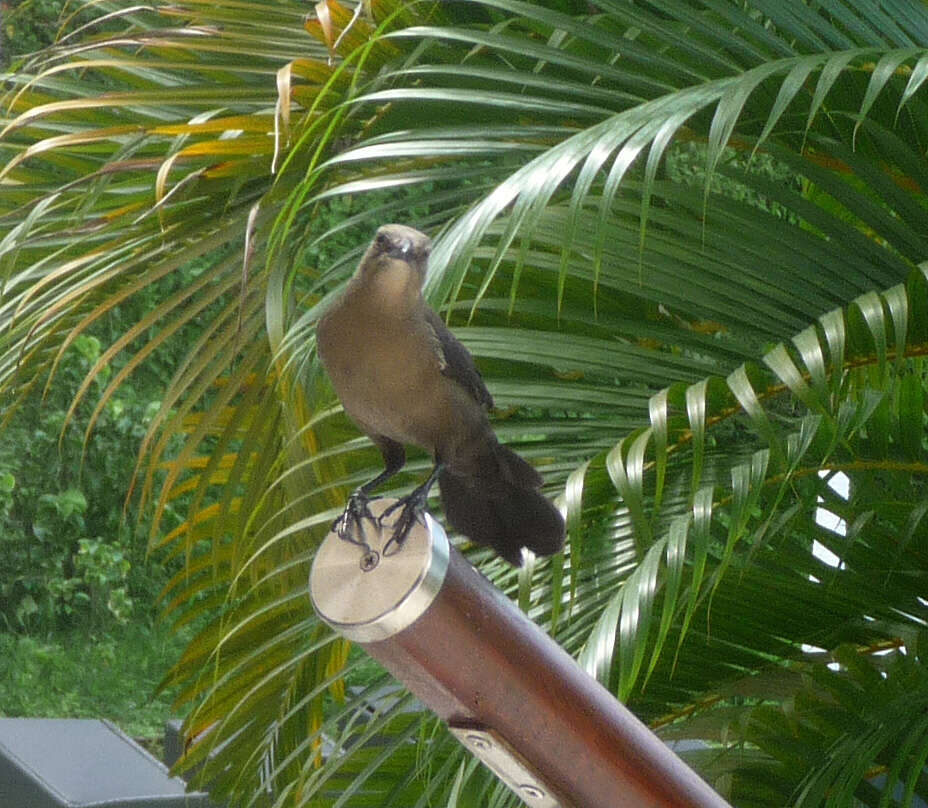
<point x="404" y="378"/>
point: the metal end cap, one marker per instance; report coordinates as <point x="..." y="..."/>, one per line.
<point x="370" y="591"/>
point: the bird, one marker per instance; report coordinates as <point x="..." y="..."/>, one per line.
<point x="405" y="379"/>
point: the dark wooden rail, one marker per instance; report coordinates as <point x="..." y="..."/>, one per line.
<point x="481" y="665"/>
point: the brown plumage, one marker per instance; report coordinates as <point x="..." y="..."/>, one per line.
<point x="404" y="378"/>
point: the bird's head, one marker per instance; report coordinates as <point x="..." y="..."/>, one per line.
<point x="395" y="245"/>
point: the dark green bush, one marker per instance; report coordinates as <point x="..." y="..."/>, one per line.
<point x="30" y="25"/>
<point x="68" y="552"/>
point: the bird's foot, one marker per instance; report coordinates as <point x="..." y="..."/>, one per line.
<point x="349" y="526"/>
<point x="413" y="506"/>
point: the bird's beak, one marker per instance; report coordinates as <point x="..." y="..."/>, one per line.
<point x="405" y="247"/>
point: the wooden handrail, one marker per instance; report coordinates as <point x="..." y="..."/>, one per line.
<point x="508" y="690"/>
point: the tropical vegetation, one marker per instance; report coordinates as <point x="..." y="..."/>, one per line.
<point x="685" y="241"/>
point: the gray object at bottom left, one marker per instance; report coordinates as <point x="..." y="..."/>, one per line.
<point x="77" y="763"/>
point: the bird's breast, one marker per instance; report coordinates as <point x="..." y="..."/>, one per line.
<point x="387" y="375"/>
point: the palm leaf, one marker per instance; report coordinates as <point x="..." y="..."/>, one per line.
<point x="624" y="320"/>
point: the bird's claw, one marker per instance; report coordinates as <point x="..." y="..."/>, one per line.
<point x="348" y="526"/>
<point x="413" y="506"/>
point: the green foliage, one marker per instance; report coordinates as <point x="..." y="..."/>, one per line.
<point x="30" y="25"/>
<point x="683" y="241"/>
<point x="80" y="674"/>
<point x="70" y="555"/>
<point x="687" y="164"/>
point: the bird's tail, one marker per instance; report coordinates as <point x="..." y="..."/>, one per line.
<point x="501" y="507"/>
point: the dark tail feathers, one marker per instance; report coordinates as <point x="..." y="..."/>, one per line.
<point x="502" y="507"/>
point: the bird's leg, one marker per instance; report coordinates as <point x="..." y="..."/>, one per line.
<point x="413" y="504"/>
<point x="348" y="525"/>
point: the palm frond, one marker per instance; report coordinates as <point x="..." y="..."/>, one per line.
<point x="682" y="353"/>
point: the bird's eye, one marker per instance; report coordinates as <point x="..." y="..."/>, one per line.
<point x="383" y="240"/>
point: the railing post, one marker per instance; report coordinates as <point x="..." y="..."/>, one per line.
<point x="508" y="691"/>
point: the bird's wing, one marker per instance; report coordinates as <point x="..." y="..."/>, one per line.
<point x="456" y="362"/>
